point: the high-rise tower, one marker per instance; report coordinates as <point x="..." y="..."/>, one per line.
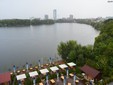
<point x="54" y="14"/>
<point x="46" y="17"/>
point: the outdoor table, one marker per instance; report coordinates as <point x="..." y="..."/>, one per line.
<point x="36" y="67"/>
<point x="71" y="75"/>
<point x="42" y="66"/>
<point x="31" y="68"/>
<point x="23" y="70"/>
<point x="62" y="77"/>
<point x="11" y="73"/>
<point x="52" y="81"/>
<point x="18" y="71"/>
<point x="41" y="83"/>
<point x="76" y="81"/>
<point x="69" y="83"/>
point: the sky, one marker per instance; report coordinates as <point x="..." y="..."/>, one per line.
<point x="38" y="8"/>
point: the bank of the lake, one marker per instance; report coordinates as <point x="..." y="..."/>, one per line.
<point x="29" y="44"/>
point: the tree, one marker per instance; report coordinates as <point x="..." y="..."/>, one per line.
<point x="72" y="51"/>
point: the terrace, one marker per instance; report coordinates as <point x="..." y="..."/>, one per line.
<point x="61" y="73"/>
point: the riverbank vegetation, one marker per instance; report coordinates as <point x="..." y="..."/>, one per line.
<point x="27" y="22"/>
<point x="23" y="22"/>
<point x="96" y="24"/>
<point x="99" y="56"/>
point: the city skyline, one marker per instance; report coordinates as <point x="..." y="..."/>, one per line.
<point x="38" y="8"/>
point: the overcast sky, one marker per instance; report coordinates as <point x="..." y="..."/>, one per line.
<point x="38" y="8"/>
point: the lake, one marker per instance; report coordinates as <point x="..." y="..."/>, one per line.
<point x="19" y="45"/>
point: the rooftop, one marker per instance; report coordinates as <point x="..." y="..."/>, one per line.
<point x="5" y="77"/>
<point x="90" y="71"/>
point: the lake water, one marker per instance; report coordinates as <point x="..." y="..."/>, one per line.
<point x="19" y="45"/>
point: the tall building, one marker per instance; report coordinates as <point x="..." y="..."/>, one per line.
<point x="71" y="17"/>
<point x="54" y="14"/>
<point x="46" y="17"/>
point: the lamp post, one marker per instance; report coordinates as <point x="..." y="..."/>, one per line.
<point x="34" y="81"/>
<point x="50" y="60"/>
<point x="14" y="68"/>
<point x="57" y="76"/>
<point x="64" y="80"/>
<point x="67" y="72"/>
<point x="74" y="77"/>
<point x="27" y="66"/>
<point x="19" y="82"/>
<point x="39" y="64"/>
<point x="47" y="78"/>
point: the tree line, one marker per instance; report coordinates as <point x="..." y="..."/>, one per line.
<point x="96" y="24"/>
<point x="24" y="22"/>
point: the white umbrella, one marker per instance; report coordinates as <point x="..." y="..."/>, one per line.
<point x="71" y="64"/>
<point x="54" y="68"/>
<point x="21" y="77"/>
<point x="44" y="71"/>
<point x="62" y="66"/>
<point x="33" y="74"/>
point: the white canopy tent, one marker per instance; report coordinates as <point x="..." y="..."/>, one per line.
<point x="54" y="68"/>
<point x="44" y="71"/>
<point x="71" y="64"/>
<point x="33" y="74"/>
<point x="62" y="66"/>
<point x="21" y="77"/>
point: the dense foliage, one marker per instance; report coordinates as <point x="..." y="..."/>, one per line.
<point x="23" y="22"/>
<point x="103" y="48"/>
<point x="99" y="56"/>
<point x="72" y="51"/>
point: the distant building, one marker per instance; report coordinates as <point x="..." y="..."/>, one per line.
<point x="71" y="17"/>
<point x="46" y="17"/>
<point x="55" y="14"/>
